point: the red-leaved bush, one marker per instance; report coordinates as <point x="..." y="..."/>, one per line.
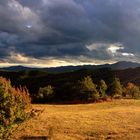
<point x="15" y="104"/>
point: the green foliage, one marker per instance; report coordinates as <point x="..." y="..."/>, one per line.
<point x="88" y="89"/>
<point x="116" y="88"/>
<point x="67" y="88"/>
<point x="46" y="93"/>
<point x="102" y="89"/>
<point x="133" y="91"/>
<point x="34" y="79"/>
<point x="14" y="104"/>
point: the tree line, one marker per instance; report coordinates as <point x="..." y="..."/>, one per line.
<point x="85" y="90"/>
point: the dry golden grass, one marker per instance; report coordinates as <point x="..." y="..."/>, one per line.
<point x="118" y="120"/>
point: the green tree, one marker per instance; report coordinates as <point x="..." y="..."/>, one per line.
<point x="133" y="91"/>
<point x="116" y="88"/>
<point x="46" y="93"/>
<point x="102" y="89"/>
<point x="88" y="89"/>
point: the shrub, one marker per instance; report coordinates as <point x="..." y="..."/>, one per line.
<point x="14" y="105"/>
<point x="133" y="91"/>
<point x="46" y="93"/>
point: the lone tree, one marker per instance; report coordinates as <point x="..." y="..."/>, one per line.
<point x="102" y="89"/>
<point x="116" y="88"/>
<point x="133" y="91"/>
<point x="88" y="89"/>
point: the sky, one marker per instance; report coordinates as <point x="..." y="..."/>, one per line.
<point x="50" y="33"/>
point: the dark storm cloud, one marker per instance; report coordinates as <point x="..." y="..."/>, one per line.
<point x="58" y="28"/>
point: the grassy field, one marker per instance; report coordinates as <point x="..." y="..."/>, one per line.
<point x="118" y="120"/>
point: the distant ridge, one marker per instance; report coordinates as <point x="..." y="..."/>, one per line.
<point x="116" y="66"/>
<point x="124" y="65"/>
<point x="17" y="68"/>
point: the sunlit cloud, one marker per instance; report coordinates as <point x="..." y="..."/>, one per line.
<point x="114" y="48"/>
<point x="128" y="54"/>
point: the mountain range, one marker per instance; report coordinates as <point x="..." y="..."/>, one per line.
<point x="116" y="66"/>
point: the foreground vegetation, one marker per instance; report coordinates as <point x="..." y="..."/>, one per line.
<point x="115" y="120"/>
<point x="14" y="106"/>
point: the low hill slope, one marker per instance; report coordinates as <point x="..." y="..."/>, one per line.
<point x="129" y="75"/>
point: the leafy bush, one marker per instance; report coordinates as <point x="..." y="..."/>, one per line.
<point x="133" y="91"/>
<point x="46" y="93"/>
<point x="14" y="105"/>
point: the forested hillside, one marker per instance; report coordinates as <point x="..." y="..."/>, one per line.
<point x="63" y="83"/>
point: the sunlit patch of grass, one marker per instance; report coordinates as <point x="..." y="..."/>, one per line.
<point x="119" y="120"/>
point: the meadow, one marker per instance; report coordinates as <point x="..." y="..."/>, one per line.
<point x="114" y="120"/>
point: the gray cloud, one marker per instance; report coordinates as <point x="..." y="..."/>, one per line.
<point x="59" y="29"/>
